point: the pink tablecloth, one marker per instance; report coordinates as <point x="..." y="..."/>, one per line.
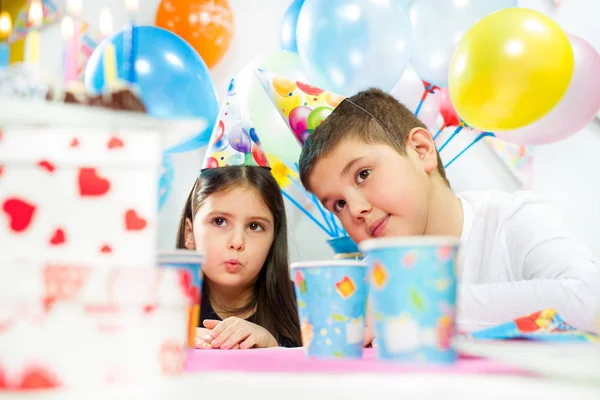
<point x="294" y="361"/>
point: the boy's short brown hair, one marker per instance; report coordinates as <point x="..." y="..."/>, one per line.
<point x="371" y="116"/>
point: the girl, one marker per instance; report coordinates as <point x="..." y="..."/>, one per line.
<point x="236" y="217"/>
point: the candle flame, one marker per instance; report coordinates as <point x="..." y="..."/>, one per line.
<point x="67" y="28"/>
<point x="132" y="5"/>
<point x="5" y="25"/>
<point x="74" y="7"/>
<point x="106" y="22"/>
<point x="36" y="13"/>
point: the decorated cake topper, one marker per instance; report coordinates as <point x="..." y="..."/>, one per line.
<point x="302" y="106"/>
<point x="234" y="141"/>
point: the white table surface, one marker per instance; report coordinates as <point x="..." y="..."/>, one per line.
<point x="346" y="387"/>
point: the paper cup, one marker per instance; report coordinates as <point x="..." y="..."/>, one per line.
<point x="189" y="263"/>
<point x="331" y="297"/>
<point x="412" y="284"/>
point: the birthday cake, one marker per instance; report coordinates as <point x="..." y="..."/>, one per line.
<point x="79" y="282"/>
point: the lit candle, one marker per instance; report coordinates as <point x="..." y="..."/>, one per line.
<point x="130" y="40"/>
<point x="36" y="14"/>
<point x="5" y="29"/>
<point x="110" y="54"/>
<point x="67" y="29"/>
<point x="74" y="10"/>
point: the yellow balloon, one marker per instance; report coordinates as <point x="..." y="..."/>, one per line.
<point x="509" y="70"/>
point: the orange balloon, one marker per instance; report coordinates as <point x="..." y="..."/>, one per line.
<point x="207" y="25"/>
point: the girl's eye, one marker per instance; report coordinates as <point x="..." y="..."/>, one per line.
<point x="338" y="205"/>
<point x="219" y="221"/>
<point x="255" y="226"/>
<point x="362" y="175"/>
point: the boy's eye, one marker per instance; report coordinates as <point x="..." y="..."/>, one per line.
<point x="338" y="205"/>
<point x="362" y="175"/>
<point x="255" y="226"/>
<point x="219" y="221"/>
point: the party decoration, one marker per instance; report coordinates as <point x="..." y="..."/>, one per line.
<point x="447" y="110"/>
<point x="22" y="24"/>
<point x="575" y="110"/>
<point x="287" y="35"/>
<point x="274" y="131"/>
<point x="545" y="325"/>
<point x="207" y="25"/>
<point x="234" y="141"/>
<point x="518" y="159"/>
<point x="355" y="45"/>
<point x="438" y="25"/>
<point x="281" y="172"/>
<point x="303" y="107"/>
<point x="173" y="80"/>
<point x="510" y="69"/>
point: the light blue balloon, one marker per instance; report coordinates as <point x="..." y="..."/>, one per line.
<point x="173" y="79"/>
<point x="353" y="45"/>
<point x="287" y="35"/>
<point x="438" y="26"/>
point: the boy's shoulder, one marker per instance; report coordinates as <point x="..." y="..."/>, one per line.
<point x="502" y="206"/>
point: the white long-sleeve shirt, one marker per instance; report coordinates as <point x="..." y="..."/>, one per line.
<point x="518" y="258"/>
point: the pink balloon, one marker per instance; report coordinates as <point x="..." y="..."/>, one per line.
<point x="575" y="110"/>
<point x="429" y="111"/>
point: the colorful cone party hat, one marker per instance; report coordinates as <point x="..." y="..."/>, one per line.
<point x="234" y="141"/>
<point x="302" y="106"/>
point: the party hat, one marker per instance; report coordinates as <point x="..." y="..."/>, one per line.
<point x="302" y="106"/>
<point x="234" y="141"/>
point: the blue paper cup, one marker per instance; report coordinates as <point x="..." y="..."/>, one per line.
<point x="189" y="265"/>
<point x="412" y="283"/>
<point x="331" y="297"/>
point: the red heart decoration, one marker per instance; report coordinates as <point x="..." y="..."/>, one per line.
<point x="75" y="142"/>
<point x="115" y="143"/>
<point x="133" y="222"/>
<point x="19" y="212"/>
<point x="106" y="249"/>
<point x="1" y="170"/>
<point x="58" y="237"/>
<point x="47" y="165"/>
<point x="3" y="380"/>
<point x="38" y="378"/>
<point x="90" y="184"/>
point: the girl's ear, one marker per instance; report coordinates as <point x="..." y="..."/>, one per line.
<point x="189" y="243"/>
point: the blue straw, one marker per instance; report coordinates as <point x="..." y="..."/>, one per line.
<point x="309" y="215"/>
<point x="438" y="133"/>
<point x="458" y="129"/>
<point x="477" y="139"/>
<point x="314" y="200"/>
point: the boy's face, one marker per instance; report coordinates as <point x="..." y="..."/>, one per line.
<point x="375" y="191"/>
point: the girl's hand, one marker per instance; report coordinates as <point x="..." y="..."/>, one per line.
<point x="203" y="339"/>
<point x="234" y="332"/>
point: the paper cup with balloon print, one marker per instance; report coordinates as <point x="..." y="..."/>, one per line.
<point x="331" y="297"/>
<point x="189" y="265"/>
<point x="412" y="285"/>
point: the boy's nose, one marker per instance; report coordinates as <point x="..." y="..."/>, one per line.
<point x="359" y="208"/>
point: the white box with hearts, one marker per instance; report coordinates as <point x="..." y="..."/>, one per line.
<point x="72" y="326"/>
<point x="80" y="190"/>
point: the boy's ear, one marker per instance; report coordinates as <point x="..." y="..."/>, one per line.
<point x="420" y="140"/>
<point x="189" y="241"/>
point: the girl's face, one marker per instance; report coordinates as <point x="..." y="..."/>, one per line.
<point x="234" y="230"/>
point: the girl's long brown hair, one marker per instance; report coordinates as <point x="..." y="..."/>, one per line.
<point x="273" y="296"/>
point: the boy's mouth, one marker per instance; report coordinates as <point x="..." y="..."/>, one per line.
<point x="378" y="227"/>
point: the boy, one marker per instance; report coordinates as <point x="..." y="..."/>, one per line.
<point x="375" y="165"/>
